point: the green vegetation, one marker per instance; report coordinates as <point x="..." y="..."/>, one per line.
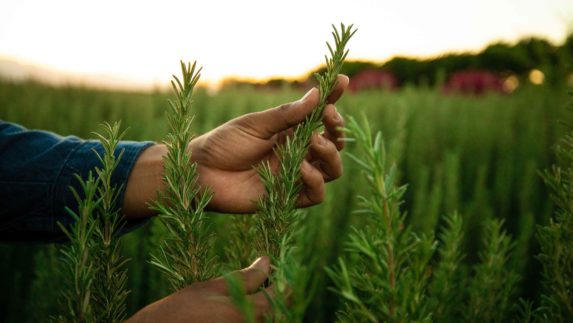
<point x="386" y="273"/>
<point x="184" y="256"/>
<point x="556" y="239"/>
<point x="276" y="210"/>
<point x="95" y="271"/>
<point x="471" y="169"/>
<point x="281" y="229"/>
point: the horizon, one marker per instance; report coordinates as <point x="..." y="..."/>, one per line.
<point x="83" y="39"/>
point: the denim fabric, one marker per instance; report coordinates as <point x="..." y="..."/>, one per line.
<point x="37" y="169"/>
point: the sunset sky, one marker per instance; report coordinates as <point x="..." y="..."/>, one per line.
<point x="142" y="41"/>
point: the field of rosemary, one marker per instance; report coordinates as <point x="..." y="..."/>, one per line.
<point x="449" y="208"/>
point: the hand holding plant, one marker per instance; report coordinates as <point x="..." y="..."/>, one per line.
<point x="226" y="155"/>
<point x="210" y="301"/>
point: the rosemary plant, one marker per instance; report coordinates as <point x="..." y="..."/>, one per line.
<point x="110" y="293"/>
<point x="276" y="210"/>
<point x="184" y="257"/>
<point x="493" y="285"/>
<point x="448" y="277"/>
<point x="77" y="257"/>
<point x="556" y="239"/>
<point x="385" y="275"/>
<point x="277" y="217"/>
<point x="97" y="288"/>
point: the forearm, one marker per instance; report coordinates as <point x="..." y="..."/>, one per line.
<point x="144" y="182"/>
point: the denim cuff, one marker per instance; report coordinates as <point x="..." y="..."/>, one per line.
<point x="37" y="169"/>
<point x="81" y="161"/>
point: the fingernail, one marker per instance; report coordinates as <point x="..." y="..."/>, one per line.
<point x="307" y="95"/>
<point x="262" y="263"/>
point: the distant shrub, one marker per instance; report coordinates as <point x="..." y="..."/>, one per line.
<point x="473" y="82"/>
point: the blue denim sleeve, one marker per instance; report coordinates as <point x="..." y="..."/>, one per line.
<point x="37" y="169"/>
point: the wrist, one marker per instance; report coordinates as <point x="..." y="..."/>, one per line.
<point x="144" y="182"/>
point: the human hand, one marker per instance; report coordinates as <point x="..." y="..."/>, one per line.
<point x="226" y="156"/>
<point x="210" y="301"/>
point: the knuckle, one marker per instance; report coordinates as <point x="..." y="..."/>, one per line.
<point x="285" y="112"/>
<point x="284" y="107"/>
<point x="332" y="150"/>
<point x="248" y="119"/>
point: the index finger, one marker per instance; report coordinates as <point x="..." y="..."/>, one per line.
<point x="341" y="85"/>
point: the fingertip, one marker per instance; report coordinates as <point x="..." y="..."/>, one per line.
<point x="262" y="263"/>
<point x="272" y="121"/>
<point x="305" y="167"/>
<point x="343" y="80"/>
<point x="313" y="191"/>
<point x="341" y="85"/>
<point x="312" y="96"/>
<point x="334" y="123"/>
<point x="309" y="93"/>
<point x="303" y="107"/>
<point x="331" y="115"/>
<point x="328" y="110"/>
<point x="318" y="140"/>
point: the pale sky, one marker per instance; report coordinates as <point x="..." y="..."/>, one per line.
<point x="144" y="40"/>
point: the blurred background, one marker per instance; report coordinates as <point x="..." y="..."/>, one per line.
<point x="468" y="94"/>
<point x="137" y="44"/>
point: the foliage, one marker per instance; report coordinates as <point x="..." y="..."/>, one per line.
<point x="448" y="275"/>
<point x="492" y="287"/>
<point x="386" y="272"/>
<point x="184" y="256"/>
<point x="78" y="256"/>
<point x="278" y="221"/>
<point x="478" y="156"/>
<point x="503" y="58"/>
<point x="96" y="283"/>
<point x="276" y="210"/>
<point x="556" y="239"/>
<point x="110" y="292"/>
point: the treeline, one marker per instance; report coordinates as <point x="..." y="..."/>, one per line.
<point x="555" y="61"/>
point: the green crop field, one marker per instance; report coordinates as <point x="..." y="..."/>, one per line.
<point x="479" y="156"/>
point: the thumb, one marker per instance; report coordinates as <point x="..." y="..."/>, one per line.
<point x="251" y="278"/>
<point x="274" y="120"/>
<point x="255" y="275"/>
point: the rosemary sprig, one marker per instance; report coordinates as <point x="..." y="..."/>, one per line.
<point x="276" y="210"/>
<point x="185" y="256"/>
<point x="77" y="257"/>
<point x="110" y="293"/>
<point x="97" y="285"/>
